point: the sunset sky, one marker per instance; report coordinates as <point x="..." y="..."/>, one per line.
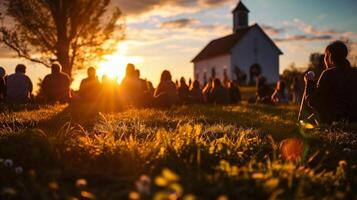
<point x="167" y="34"/>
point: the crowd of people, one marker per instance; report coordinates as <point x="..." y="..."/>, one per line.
<point x="332" y="98"/>
<point x="133" y="91"/>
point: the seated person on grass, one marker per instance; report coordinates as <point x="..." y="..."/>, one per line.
<point x="19" y="87"/>
<point x="56" y="86"/>
<point x="334" y="97"/>
<point x="89" y="90"/>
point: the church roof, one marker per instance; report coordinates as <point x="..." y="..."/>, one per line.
<point x="223" y="46"/>
<point x="240" y="7"/>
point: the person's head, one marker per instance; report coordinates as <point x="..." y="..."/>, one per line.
<point x="182" y="81"/>
<point x="91" y="72"/>
<point x="56" y="68"/>
<point x="2" y="72"/>
<point x="130" y="70"/>
<point x="20" y="68"/>
<point x="165" y="76"/>
<point x="217" y="83"/>
<point x="280" y="86"/>
<point x="195" y="85"/>
<point x="336" y="54"/>
<point x="137" y="73"/>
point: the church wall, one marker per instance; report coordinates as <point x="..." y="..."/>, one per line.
<point x="219" y="63"/>
<point x="256" y="48"/>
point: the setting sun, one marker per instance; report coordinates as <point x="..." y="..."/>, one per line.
<point x="114" y="65"/>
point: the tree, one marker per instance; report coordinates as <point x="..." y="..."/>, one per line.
<point x="317" y="63"/>
<point x="74" y="33"/>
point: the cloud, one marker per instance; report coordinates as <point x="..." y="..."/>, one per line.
<point x="307" y="32"/>
<point x="305" y="38"/>
<point x="181" y="6"/>
<point x="179" y="23"/>
<point x="271" y="30"/>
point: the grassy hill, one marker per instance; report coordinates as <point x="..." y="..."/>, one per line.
<point x="188" y="152"/>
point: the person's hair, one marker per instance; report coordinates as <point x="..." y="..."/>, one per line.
<point x="20" y="68"/>
<point x="2" y="72"/>
<point x="217" y="83"/>
<point x="337" y="53"/>
<point x="130" y="70"/>
<point x="137" y="73"/>
<point x="183" y="81"/>
<point x="56" y="67"/>
<point x="91" y="71"/>
<point x="195" y="85"/>
<point x="165" y="76"/>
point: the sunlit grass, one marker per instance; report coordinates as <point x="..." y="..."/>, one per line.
<point x="188" y="152"/>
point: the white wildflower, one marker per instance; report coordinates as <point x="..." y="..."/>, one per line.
<point x="19" y="170"/>
<point x="8" y="163"/>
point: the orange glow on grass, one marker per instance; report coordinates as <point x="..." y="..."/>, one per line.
<point x="114" y="65"/>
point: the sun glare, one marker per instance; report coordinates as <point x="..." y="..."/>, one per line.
<point x="113" y="66"/>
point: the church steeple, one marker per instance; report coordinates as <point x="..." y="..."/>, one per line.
<point x="240" y="17"/>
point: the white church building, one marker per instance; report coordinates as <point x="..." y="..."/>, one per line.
<point x="247" y="53"/>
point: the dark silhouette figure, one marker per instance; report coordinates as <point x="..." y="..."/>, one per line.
<point x="143" y="84"/>
<point x="280" y="95"/>
<point x="264" y="92"/>
<point x="2" y="84"/>
<point x="334" y="97"/>
<point x="183" y="91"/>
<point x="131" y="87"/>
<point x="89" y="90"/>
<point x="207" y="92"/>
<point x="196" y="96"/>
<point x="219" y="93"/>
<point x="166" y="94"/>
<point x="234" y="93"/>
<point x="56" y="86"/>
<point x="19" y="86"/>
<point x="296" y="90"/>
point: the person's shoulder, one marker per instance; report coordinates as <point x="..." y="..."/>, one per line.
<point x="64" y="74"/>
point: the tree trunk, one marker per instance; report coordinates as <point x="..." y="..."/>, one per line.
<point x="63" y="43"/>
<point x="63" y="58"/>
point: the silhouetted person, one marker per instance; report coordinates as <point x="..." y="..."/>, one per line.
<point x="334" y="97"/>
<point x="207" y="92"/>
<point x="56" y="86"/>
<point x="131" y="86"/>
<point x="189" y="82"/>
<point x="264" y="92"/>
<point x="142" y="81"/>
<point x="89" y="90"/>
<point x="280" y="95"/>
<point x="196" y="96"/>
<point x="166" y="94"/>
<point x="2" y="84"/>
<point x="296" y="90"/>
<point x="151" y="89"/>
<point x="183" y="91"/>
<point x="19" y="86"/>
<point x="234" y="93"/>
<point x="219" y="93"/>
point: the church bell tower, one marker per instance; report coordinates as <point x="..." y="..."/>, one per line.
<point x="240" y="17"/>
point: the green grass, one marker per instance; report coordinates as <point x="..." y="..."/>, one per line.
<point x="188" y="152"/>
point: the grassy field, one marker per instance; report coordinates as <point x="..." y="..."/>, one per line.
<point x="188" y="152"/>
